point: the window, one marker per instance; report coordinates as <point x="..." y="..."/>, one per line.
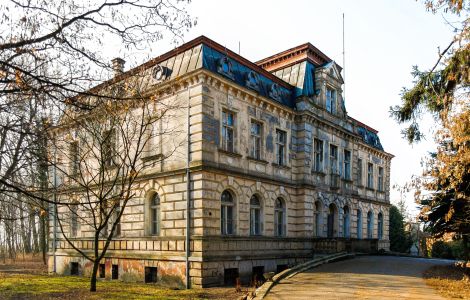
<point x="359" y="172"/>
<point x="255" y="215"/>
<point x="226" y="213"/>
<point x="73" y="220"/>
<point x="150" y="274"/>
<point x="228" y="121"/>
<point x="380" y="227"/>
<point x="333" y="159"/>
<point x="370" y="222"/>
<point x="74" y="268"/>
<point x="279" y="218"/>
<point x="231" y="276"/>
<point x="380" y="186"/>
<point x="346" y="222"/>
<point x="370" y="175"/>
<point x="155" y="215"/>
<point x="102" y="271"/>
<point x="74" y="158"/>
<point x="255" y="140"/>
<point x="115" y="272"/>
<point x="109" y="148"/>
<point x="359" y="224"/>
<point x="281" y="147"/>
<point x="318" y="155"/>
<point x="347" y="164"/>
<point x="331" y="100"/>
<point x="317" y="218"/>
<point x="117" y="212"/>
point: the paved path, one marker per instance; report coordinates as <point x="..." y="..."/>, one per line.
<point x="364" y="277"/>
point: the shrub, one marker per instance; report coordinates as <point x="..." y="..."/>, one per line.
<point x="441" y="249"/>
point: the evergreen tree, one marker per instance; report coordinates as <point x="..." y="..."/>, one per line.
<point x="400" y="240"/>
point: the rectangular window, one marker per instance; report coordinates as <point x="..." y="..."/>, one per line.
<point x="230" y="276"/>
<point x="255" y="140"/>
<point x="115" y="272"/>
<point x="347" y="164"/>
<point x="73" y="220"/>
<point x="370" y="175"/>
<point x="102" y="270"/>
<point x="334" y="159"/>
<point x="281" y="147"/>
<point x="150" y="274"/>
<point x="318" y="155"/>
<point x="109" y="147"/>
<point x="381" y="179"/>
<point x="117" y="212"/>
<point x="228" y="122"/>
<point x="359" y="172"/>
<point x="74" y="158"/>
<point x="331" y="100"/>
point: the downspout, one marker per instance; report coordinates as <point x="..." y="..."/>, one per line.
<point x="188" y="195"/>
<point x="54" y="238"/>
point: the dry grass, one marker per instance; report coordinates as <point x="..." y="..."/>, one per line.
<point x="28" y="279"/>
<point x="452" y="282"/>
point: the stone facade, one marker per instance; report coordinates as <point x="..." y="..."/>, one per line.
<point x="312" y="171"/>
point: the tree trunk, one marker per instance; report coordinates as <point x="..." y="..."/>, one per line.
<point x="43" y="238"/>
<point x="32" y="221"/>
<point x="94" y="272"/>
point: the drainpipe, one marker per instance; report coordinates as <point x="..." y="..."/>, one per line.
<point x="188" y="196"/>
<point x="54" y="239"/>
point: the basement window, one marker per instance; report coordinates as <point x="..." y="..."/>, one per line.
<point x="150" y="274"/>
<point x="74" y="267"/>
<point x="115" y="272"/>
<point x="102" y="270"/>
<point x="257" y="277"/>
<point x="280" y="268"/>
<point x="230" y="276"/>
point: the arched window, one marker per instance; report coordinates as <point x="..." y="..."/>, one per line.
<point x="332" y="221"/>
<point x="155" y="215"/>
<point x="255" y="216"/>
<point x="346" y="232"/>
<point x="317" y="218"/>
<point x="73" y="220"/>
<point x="359" y="224"/>
<point x="380" y="227"/>
<point x="226" y="213"/>
<point x="370" y="222"/>
<point x="279" y="218"/>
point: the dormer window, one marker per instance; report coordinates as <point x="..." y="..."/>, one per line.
<point x="331" y="100"/>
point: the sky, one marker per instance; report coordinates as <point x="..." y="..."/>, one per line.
<point x="383" y="40"/>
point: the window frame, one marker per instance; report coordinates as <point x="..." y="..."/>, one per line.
<point x="347" y="164"/>
<point x="280" y="215"/>
<point x="281" y="146"/>
<point x="256" y="139"/>
<point x="333" y="159"/>
<point x="331" y="94"/>
<point x="318" y="153"/>
<point x="255" y="216"/>
<point x="380" y="179"/>
<point x="370" y="175"/>
<point x="225" y="207"/>
<point x="155" y="215"/>
<point x="228" y="129"/>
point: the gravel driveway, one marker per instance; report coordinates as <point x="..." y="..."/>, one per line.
<point x="364" y="277"/>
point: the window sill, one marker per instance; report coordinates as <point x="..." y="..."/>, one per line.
<point x="320" y="173"/>
<point x="262" y="161"/>
<point x="370" y="189"/>
<point x="347" y="180"/>
<point x="233" y="154"/>
<point x="280" y="166"/>
<point x="152" y="157"/>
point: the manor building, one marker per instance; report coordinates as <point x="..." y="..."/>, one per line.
<point x="278" y="171"/>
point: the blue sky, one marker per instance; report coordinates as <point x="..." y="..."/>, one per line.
<point x="384" y="39"/>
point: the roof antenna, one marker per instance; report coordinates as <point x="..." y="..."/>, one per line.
<point x="344" y="66"/>
<point x="238" y="47"/>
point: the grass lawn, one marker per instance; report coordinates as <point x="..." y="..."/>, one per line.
<point x="40" y="286"/>
<point x="449" y="281"/>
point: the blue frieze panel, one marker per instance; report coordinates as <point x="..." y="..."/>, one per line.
<point x="220" y="63"/>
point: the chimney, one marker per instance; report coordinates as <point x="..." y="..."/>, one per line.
<point x="118" y="66"/>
